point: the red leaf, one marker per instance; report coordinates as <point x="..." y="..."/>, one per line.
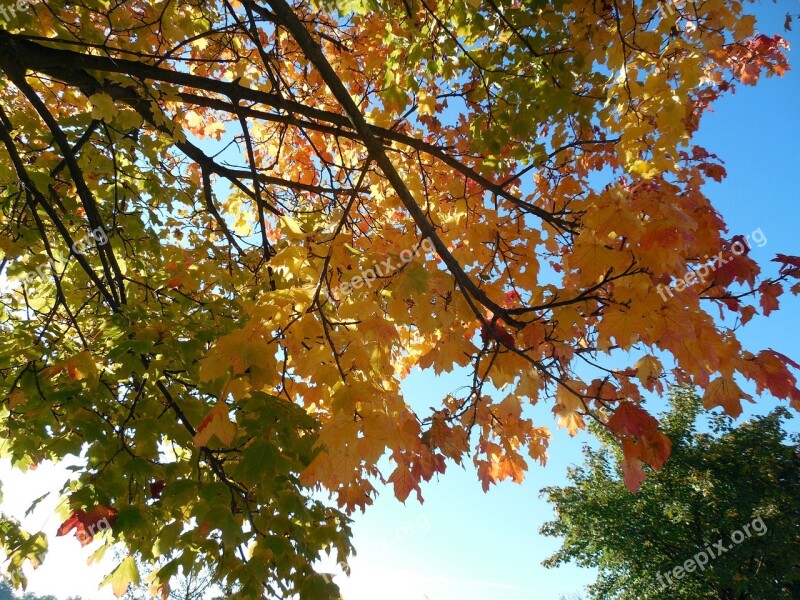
<point x="156" y="488"/>
<point x="89" y="523"/>
<point x="642" y="442"/>
<point x="769" y="296"/>
<point x="786" y="359"/>
<point x="497" y="333"/>
<point x="792" y="261"/>
<point x="512" y="299"/>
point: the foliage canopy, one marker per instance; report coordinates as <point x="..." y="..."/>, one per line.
<point x="230" y="229"/>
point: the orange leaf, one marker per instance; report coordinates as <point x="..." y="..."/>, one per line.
<point x="724" y="392"/>
<point x="404" y="482"/>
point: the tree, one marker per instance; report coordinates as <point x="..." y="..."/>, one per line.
<point x="7" y="593"/>
<point x="231" y="228"/>
<point x="194" y="584"/>
<point x="720" y="521"/>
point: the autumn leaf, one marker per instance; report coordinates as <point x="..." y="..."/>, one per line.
<point x="641" y="441"/>
<point x="103" y="107"/>
<point x="724" y="392"/>
<point x="16" y="398"/>
<point x="632" y="473"/>
<point x="630" y="419"/>
<point x="123" y="575"/>
<point x="568" y="405"/>
<point x="496" y="332"/>
<point x="87" y="524"/>
<point x="769" y="296"/>
<point x="648" y="370"/>
<point x="403" y="481"/>
<point x="217" y="423"/>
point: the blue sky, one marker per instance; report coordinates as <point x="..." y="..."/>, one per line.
<point x="466" y="545"/>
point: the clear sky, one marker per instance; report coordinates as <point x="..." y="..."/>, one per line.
<point x="462" y="544"/>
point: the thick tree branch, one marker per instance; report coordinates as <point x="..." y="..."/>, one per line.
<point x="313" y="52"/>
<point x="62" y="65"/>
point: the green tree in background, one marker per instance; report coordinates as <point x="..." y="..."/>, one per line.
<point x="736" y="488"/>
<point x="6" y="593"/>
<point x="195" y="583"/>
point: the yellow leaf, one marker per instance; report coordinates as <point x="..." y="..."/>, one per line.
<point x="644" y="169"/>
<point x="648" y="369"/>
<point x="569" y="403"/>
<point x="214" y="130"/>
<point x="426" y="103"/>
<point x="82" y="366"/>
<point x="529" y="384"/>
<point x="292" y="226"/>
<point x="217" y="423"/>
<point x="102" y="107"/>
<point x="120" y="578"/>
<point x="242" y="351"/>
<point x="569" y="399"/>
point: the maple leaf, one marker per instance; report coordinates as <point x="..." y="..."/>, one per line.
<point x="716" y="172"/>
<point x="404" y="482"/>
<point x="123" y="575"/>
<point x="593" y="256"/>
<point x="451" y="441"/>
<point x="16" y="398"/>
<point x="630" y="419"/>
<point x="497" y="332"/>
<point x="217" y="423"/>
<point x="642" y="442"/>
<point x="771" y="372"/>
<point x="724" y="392"/>
<point x="238" y="351"/>
<point x="769" y="296"/>
<point x="624" y="325"/>
<point x="413" y="280"/>
<point x="568" y="403"/>
<point x="88" y="523"/>
<point x="632" y="473"/>
<point x="737" y="268"/>
<point x="787" y="261"/>
<point x="648" y="370"/>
